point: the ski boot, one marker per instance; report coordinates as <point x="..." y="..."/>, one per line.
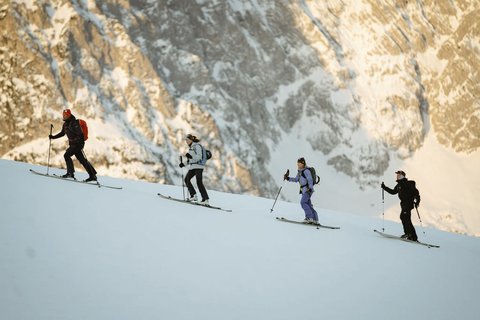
<point x="69" y="175"/>
<point x="193" y="198"/>
<point x="90" y="178"/>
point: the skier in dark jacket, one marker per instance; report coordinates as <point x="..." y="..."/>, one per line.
<point x="71" y="128"/>
<point x="304" y="177"/>
<point x="409" y="198"/>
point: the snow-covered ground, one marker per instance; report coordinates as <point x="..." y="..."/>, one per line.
<point x="72" y="251"/>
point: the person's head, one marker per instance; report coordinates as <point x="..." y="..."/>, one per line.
<point x="301" y="164"/>
<point x="400" y="175"/>
<point x="67" y="113"/>
<point x="190" y="138"/>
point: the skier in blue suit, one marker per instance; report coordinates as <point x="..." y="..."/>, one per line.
<point x="304" y="177"/>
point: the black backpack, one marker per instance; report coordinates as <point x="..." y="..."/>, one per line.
<point x="315" y="178"/>
<point x="206" y="155"/>
<point x="411" y="191"/>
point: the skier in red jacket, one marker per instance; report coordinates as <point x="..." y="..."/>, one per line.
<point x="76" y="140"/>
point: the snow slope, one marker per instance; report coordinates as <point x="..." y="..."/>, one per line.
<point x="72" y="251"/>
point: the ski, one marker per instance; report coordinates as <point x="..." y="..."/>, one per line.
<point x="193" y="203"/>
<point x="318" y="226"/>
<point x="390" y="236"/>
<point x="71" y="180"/>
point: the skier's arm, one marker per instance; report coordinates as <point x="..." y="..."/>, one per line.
<point x="59" y="135"/>
<point x="417" y="198"/>
<point x="391" y="191"/>
<point x="295" y="179"/>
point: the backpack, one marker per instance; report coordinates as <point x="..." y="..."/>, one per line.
<point x="411" y="191"/>
<point x="315" y="178"/>
<point x="84" y="127"/>
<point x="206" y="155"/>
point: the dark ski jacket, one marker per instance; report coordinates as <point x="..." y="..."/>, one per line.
<point x="71" y="128"/>
<point x="407" y="193"/>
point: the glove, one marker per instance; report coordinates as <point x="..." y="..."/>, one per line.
<point x="285" y="176"/>
<point x="50" y="136"/>
<point x="417" y="203"/>
<point x="188" y="156"/>
<point x="383" y="185"/>
<point x="181" y="165"/>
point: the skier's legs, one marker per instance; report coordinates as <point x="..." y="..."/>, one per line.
<point x="188" y="183"/>
<point x="68" y="159"/>
<point x="408" y="228"/>
<point x="314" y="212"/>
<point x="85" y="163"/>
<point x="201" y="187"/>
<point x="307" y="206"/>
<point x="402" y="218"/>
<point x="92" y="171"/>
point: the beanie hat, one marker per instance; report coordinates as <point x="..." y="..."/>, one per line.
<point x="67" y="113"/>
<point x="302" y="160"/>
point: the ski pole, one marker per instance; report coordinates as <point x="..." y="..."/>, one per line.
<point x="278" y="193"/>
<point x="383" y="212"/>
<point x="271" y="210"/>
<point x="49" y="147"/>
<point x="421" y="224"/>
<point x="183" y="182"/>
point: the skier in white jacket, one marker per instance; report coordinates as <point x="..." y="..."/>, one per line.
<point x="196" y="156"/>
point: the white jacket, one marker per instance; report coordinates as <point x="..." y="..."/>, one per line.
<point x="196" y="151"/>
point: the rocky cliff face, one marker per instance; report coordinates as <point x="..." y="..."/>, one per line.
<point x="371" y="77"/>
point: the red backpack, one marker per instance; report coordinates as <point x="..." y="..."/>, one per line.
<point x="84" y="127"/>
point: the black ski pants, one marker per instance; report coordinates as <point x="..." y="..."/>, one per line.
<point x="408" y="228"/>
<point x="198" y="173"/>
<point x="77" y="151"/>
